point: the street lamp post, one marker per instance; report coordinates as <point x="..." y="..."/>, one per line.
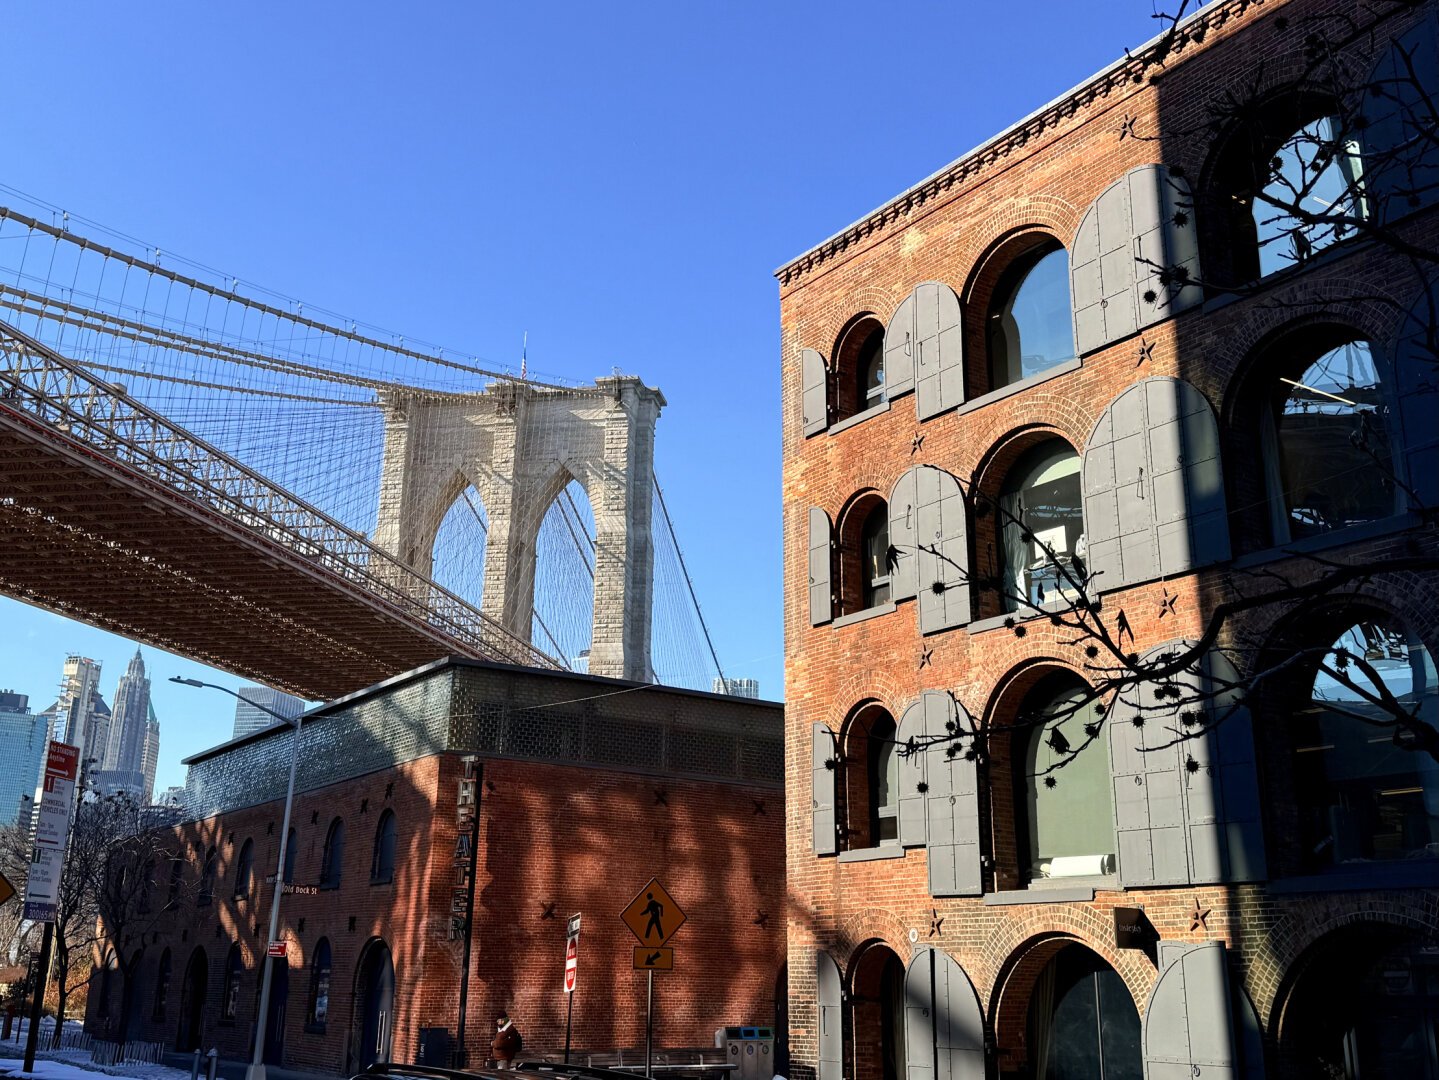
<point x="256" y="1069"/>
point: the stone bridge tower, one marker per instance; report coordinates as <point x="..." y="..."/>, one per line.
<point x="519" y="445"/>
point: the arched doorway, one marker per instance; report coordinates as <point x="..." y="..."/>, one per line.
<point x="275" y="1017"/>
<point x="133" y="993"/>
<point x="374" y="1005"/>
<point x="192" y="1002"/>
<point x="1384" y="1024"/>
<point x="1082" y="1022"/>
<point x="877" y="1045"/>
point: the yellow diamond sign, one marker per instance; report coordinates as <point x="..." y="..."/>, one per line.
<point x="653" y="916"/>
<point x="6" y="889"/>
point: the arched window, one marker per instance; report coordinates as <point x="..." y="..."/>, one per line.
<point x="107" y="970"/>
<point x="1030" y="327"/>
<point x="162" y="986"/>
<point x="333" y="858"/>
<point x="874" y="543"/>
<point x="207" y="879"/>
<point x="870" y="369"/>
<point x="859" y="367"/>
<point x="320" y="967"/>
<point x="177" y="875"/>
<point x="244" y="869"/>
<point x="1364" y="795"/>
<point x="1316" y="169"/>
<point x="1082" y="1020"/>
<point x="1326" y="438"/>
<point x="1064" y="797"/>
<point x="883" y="781"/>
<point x="234" y="972"/>
<point x="147" y="885"/>
<point x="1041" y="527"/>
<point x="382" y="860"/>
<point x="290" y="847"/>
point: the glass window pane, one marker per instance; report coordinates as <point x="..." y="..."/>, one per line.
<point x="1041" y="526"/>
<point x="1318" y="170"/>
<point x="871" y="368"/>
<point x="1334" y="451"/>
<point x="1363" y="798"/>
<point x="874" y="554"/>
<point x="1071" y="825"/>
<point x="1030" y="322"/>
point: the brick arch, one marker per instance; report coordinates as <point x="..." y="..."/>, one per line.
<point x="864" y="928"/>
<point x="1048" y="214"/>
<point x="1017" y="952"/>
<point x="864" y="685"/>
<point x="825" y="329"/>
<point x="1292" y="941"/>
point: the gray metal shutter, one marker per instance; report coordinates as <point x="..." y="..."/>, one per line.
<point x="821" y="602"/>
<point x="942" y="574"/>
<point x="919" y="1016"/>
<point x="1188" y="1027"/>
<point x="824" y="783"/>
<point x="939" y="363"/>
<point x="1161" y="209"/>
<point x="899" y="350"/>
<point x="1415" y="378"/>
<point x="944" y="1028"/>
<point x="816" y="392"/>
<point x="952" y="803"/>
<point x="1401" y="156"/>
<point x="912" y="832"/>
<point x="1144" y="217"/>
<point x="1154" y="486"/>
<point x="829" y="1000"/>
<point x="1187" y="813"/>
<point x="903" y="515"/>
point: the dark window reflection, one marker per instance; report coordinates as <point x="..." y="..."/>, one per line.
<point x="1334" y="463"/>
<point x="874" y="555"/>
<point x="883" y="781"/>
<point x="1363" y="797"/>
<point x="1082" y="1022"/>
<point x="1030" y="325"/>
<point x="871" y="369"/>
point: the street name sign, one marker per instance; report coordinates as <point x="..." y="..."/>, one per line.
<point x="653" y="916"/>
<point x="276" y="950"/>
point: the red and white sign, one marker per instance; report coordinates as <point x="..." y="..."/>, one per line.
<point x="54" y="799"/>
<point x="276" y="949"/>
<point x="572" y="953"/>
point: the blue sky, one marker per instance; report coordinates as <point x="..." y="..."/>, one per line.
<point x="620" y="180"/>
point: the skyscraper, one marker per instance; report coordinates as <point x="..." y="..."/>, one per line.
<point x="81" y="717"/>
<point x="248" y="718"/>
<point x="24" y="735"/>
<point x="123" y="764"/>
<point x="150" y="755"/>
<point x="748" y="688"/>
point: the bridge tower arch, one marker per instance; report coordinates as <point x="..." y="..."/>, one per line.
<point x="518" y="445"/>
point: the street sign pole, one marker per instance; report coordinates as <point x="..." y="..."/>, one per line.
<point x="649" y="1023"/>
<point x="572" y="959"/>
<point x="37" y="995"/>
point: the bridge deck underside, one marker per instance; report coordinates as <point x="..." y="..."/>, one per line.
<point x="86" y="537"/>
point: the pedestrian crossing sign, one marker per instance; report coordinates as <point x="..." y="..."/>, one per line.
<point x="653" y="916"/>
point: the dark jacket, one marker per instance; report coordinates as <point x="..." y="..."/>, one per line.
<point x="506" y="1043"/>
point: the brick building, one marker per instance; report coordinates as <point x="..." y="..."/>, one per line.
<point x="522" y="795"/>
<point x="988" y="385"/>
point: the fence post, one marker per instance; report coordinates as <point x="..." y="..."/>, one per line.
<point x="214" y="1063"/>
<point x="195" y="1066"/>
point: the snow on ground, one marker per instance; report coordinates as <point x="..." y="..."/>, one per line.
<point x="76" y="1065"/>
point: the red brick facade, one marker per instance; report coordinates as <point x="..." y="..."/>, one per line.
<point x="553" y="839"/>
<point x="960" y="228"/>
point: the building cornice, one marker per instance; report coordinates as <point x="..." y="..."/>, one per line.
<point x="1123" y="74"/>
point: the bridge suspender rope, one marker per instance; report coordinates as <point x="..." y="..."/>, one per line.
<point x="664" y="510"/>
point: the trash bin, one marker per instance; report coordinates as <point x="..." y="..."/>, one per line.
<point x="750" y="1049"/>
<point x="436" y="1046"/>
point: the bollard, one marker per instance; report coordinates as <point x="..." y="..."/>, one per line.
<point x="214" y="1063"/>
<point x="195" y="1066"/>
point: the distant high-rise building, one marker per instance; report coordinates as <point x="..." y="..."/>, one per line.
<point x="80" y="715"/>
<point x="737" y="687"/>
<point x="171" y="796"/>
<point x="150" y="753"/>
<point x="125" y="748"/>
<point x="248" y="718"/>
<point x="24" y="735"/>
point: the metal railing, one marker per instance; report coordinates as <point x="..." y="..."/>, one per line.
<point x="61" y="394"/>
